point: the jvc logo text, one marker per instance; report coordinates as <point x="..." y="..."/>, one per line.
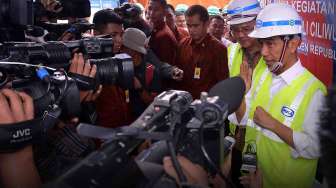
<point x="21" y="133"/>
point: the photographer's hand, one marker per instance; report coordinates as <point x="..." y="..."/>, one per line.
<point x="15" y="107"/>
<point x="52" y="5"/>
<point x="17" y="169"/>
<point x="195" y="173"/>
<point x="66" y="36"/>
<point x="177" y="74"/>
<point x="225" y="168"/>
<point x="79" y="67"/>
<point x="252" y="180"/>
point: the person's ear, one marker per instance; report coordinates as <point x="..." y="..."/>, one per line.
<point x="294" y="44"/>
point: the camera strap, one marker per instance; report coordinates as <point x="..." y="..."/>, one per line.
<point x="84" y="82"/>
<point x="16" y="136"/>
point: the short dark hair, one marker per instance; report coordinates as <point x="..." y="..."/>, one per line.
<point x="169" y="6"/>
<point x="104" y="17"/>
<point x="217" y="17"/>
<point x="198" y="10"/>
<point x="162" y="2"/>
<point x="178" y="13"/>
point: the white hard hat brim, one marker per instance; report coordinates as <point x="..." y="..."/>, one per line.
<point x="273" y="31"/>
<point x="236" y="21"/>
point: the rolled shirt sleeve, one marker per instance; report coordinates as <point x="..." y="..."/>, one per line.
<point x="243" y="122"/>
<point x="306" y="142"/>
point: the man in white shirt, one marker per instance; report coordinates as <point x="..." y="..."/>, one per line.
<point x="285" y="110"/>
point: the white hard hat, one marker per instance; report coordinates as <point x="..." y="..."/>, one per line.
<point x="277" y="19"/>
<point x="213" y="10"/>
<point x="241" y="11"/>
<point x="181" y="8"/>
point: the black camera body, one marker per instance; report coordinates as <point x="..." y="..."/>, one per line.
<point x="167" y="108"/>
<point x="170" y="117"/>
<point x="58" y="90"/>
<point x="131" y="15"/>
<point x="129" y="12"/>
<point x="93" y="47"/>
<point x="57" y="96"/>
<point x="15" y="16"/>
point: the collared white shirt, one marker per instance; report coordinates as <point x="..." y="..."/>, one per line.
<point x="226" y="42"/>
<point x="306" y="141"/>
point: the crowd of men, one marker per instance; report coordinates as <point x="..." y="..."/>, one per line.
<point x="192" y="51"/>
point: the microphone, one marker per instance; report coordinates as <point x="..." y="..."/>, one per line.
<point x="231" y="91"/>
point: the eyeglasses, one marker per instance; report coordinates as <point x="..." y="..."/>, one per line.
<point x="245" y="30"/>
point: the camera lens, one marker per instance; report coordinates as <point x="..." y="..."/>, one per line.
<point x="114" y="71"/>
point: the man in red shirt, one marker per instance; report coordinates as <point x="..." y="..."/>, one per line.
<point x="162" y="41"/>
<point x="216" y="27"/>
<point x="201" y="56"/>
<point x="179" y="32"/>
<point x="112" y="105"/>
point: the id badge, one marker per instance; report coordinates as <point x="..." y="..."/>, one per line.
<point x="127" y="96"/>
<point x="197" y="73"/>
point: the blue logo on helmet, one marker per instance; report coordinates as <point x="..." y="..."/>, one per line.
<point x="291" y="22"/>
<point x="259" y="23"/>
<point x="287" y="111"/>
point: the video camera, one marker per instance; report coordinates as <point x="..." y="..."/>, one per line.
<point x="110" y="70"/>
<point x="173" y="117"/>
<point x="58" y="29"/>
<point x="131" y="15"/>
<point x="129" y="12"/>
<point x="39" y="69"/>
<point x="54" y="95"/>
<point x="70" y="8"/>
<point x="17" y="15"/>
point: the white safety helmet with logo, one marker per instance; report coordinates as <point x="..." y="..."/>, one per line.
<point x="213" y="10"/>
<point x="286" y="22"/>
<point x="242" y="11"/>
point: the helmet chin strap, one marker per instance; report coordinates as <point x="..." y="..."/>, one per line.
<point x="277" y="65"/>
